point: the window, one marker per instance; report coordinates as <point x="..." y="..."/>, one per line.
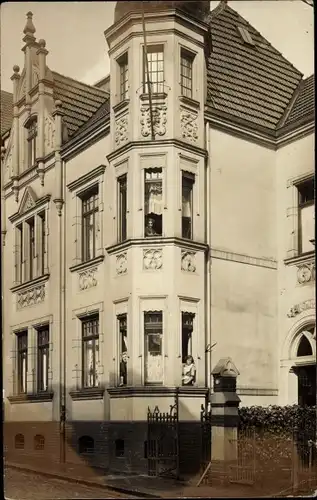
<point x="188" y="181"/>
<point x="19" y="442"/>
<point x="22" y="344"/>
<point x="123" y="349"/>
<point x="189" y="369"/>
<point x="306" y="215"/>
<point x="39" y="442"/>
<point x="90" y="351"/>
<point x="153" y="202"/>
<point x="86" y="445"/>
<point x="304" y="348"/>
<point x="155" y="70"/>
<point x="31" y="138"/>
<point x="31" y="248"/>
<point x="153" y="333"/>
<point x="43" y="358"/>
<point x="119" y="444"/>
<point x="123" y="69"/>
<point x="90" y="212"/>
<point x="187" y="60"/>
<point x="122" y="207"/>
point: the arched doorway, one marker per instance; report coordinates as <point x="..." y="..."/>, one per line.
<point x="304" y="355"/>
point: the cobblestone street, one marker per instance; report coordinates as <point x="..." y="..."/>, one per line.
<point x="20" y="485"/>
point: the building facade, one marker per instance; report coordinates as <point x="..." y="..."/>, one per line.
<point x="149" y="232"/>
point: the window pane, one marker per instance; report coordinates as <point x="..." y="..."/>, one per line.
<point x="187" y="206"/>
<point x="153" y="330"/>
<point x="307" y="228"/>
<point x="123" y="349"/>
<point x="90" y="352"/>
<point x="122" y="208"/>
<point x="153" y="202"/>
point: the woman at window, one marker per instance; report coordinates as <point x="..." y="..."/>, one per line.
<point x="189" y="371"/>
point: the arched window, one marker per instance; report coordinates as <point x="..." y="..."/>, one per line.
<point x="86" y="445"/>
<point x="39" y="442"/>
<point x="119" y="447"/>
<point x="19" y="442"/>
<point x="31" y="127"/>
<point x="304" y="348"/>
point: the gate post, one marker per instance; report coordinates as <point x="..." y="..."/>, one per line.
<point x="224" y="419"/>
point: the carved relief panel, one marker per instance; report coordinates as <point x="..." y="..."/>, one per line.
<point x="189" y="125"/>
<point x="306" y="273"/>
<point x="121" y="134"/>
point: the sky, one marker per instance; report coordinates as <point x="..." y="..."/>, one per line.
<point x="74" y="34"/>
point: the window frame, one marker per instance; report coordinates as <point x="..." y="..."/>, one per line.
<point x="22" y="353"/>
<point x="123" y="66"/>
<point x="187" y="91"/>
<point x="301" y="206"/>
<point x="32" y="133"/>
<point x="158" y="86"/>
<point x="122" y="322"/>
<point x="43" y="348"/>
<point x="189" y="178"/>
<point x="146" y="332"/>
<point x="89" y="196"/>
<point x="122" y="194"/>
<point x="158" y="218"/>
<point x="95" y="338"/>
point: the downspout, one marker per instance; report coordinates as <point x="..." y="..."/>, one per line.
<point x="59" y="202"/>
<point x="208" y="259"/>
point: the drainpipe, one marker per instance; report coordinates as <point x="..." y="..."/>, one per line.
<point x="208" y="259"/>
<point x="59" y="202"/>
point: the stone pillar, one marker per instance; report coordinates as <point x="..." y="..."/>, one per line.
<point x="224" y="419"/>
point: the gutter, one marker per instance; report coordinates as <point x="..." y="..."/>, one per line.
<point x="208" y="260"/>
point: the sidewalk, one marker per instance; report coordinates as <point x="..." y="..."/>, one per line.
<point x="136" y="485"/>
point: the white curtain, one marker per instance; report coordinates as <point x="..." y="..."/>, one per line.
<point x="186" y="208"/>
<point x="154" y="198"/>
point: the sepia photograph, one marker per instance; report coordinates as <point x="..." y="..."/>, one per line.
<point x="158" y="249"/>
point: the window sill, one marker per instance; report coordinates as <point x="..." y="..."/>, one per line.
<point x="27" y="284"/>
<point x="152" y="390"/>
<point x="299" y="259"/>
<point x="156" y="96"/>
<point x="87" y="393"/>
<point x="189" y="101"/>
<point x="40" y="397"/>
<point x="121" y="105"/>
<point x="87" y="264"/>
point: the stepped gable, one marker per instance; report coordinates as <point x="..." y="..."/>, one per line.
<point x="248" y="79"/>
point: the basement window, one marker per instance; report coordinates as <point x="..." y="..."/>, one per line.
<point x="245" y="35"/>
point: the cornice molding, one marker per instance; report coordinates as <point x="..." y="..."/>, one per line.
<point x="157" y="241"/>
<point x="156" y="390"/>
<point x="156" y="144"/>
<point x="38" y="204"/>
<point x="84" y="179"/>
<point x="23" y="287"/>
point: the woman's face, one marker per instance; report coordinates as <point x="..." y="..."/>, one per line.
<point x="124" y="357"/>
<point x="189" y="361"/>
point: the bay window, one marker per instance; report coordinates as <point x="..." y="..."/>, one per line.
<point x="186" y="73"/>
<point x="153" y="355"/>
<point x="155" y="68"/>
<point x="153" y="202"/>
<point x="123" y="70"/>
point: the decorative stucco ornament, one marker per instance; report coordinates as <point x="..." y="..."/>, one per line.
<point x="30" y="297"/>
<point x="121" y="130"/>
<point x="299" y="308"/>
<point x="306" y="273"/>
<point x="87" y="278"/>
<point x="159" y="119"/>
<point x="152" y="259"/>
<point x="188" y="261"/>
<point x="189" y="126"/>
<point x="122" y="263"/>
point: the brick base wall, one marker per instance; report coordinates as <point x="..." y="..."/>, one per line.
<point x="129" y="457"/>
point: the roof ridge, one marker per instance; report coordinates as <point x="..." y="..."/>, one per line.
<point x="228" y="8"/>
<point x="81" y="83"/>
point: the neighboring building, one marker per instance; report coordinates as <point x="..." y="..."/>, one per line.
<point x="122" y="255"/>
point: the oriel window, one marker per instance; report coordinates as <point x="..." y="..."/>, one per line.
<point x="123" y="349"/>
<point x="122" y="207"/>
<point x="188" y="181"/>
<point x="153" y="202"/>
<point x="155" y="57"/>
<point x="90" y="351"/>
<point x="153" y="339"/>
<point x="22" y="361"/>
<point x="90" y="223"/>
<point x="186" y="73"/>
<point x="124" y="76"/>
<point x="31" y="139"/>
<point x="43" y="345"/>
<point x="306" y="214"/>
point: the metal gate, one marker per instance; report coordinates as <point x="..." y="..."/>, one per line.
<point x="163" y="442"/>
<point x="205" y="424"/>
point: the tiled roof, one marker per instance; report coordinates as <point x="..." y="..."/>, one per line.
<point x="102" y="112"/>
<point x="6" y="111"/>
<point x="79" y="101"/>
<point x="304" y="102"/>
<point x="254" y="83"/>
